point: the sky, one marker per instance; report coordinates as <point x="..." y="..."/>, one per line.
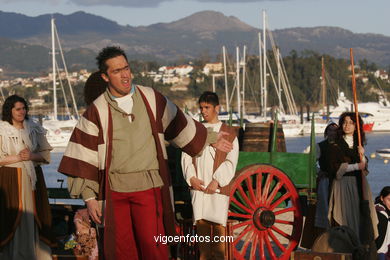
<point x="359" y="16"/>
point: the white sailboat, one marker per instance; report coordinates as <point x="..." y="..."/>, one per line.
<point x="59" y="131"/>
<point x="290" y="120"/>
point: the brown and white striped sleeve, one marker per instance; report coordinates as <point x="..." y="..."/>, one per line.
<point x="179" y="128"/>
<point x="81" y="155"/>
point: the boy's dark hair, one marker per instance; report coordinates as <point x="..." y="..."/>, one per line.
<point x="209" y="97"/>
<point x="94" y="87"/>
<point x="384" y="193"/>
<point x="328" y="127"/>
<point x="9" y="103"/>
<point x="106" y="54"/>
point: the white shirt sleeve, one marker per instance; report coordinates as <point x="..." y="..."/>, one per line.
<point x="225" y="172"/>
<point x="187" y="167"/>
<point x="355" y="166"/>
<point x="352" y="167"/>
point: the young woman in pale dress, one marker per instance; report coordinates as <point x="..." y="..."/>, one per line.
<point x="347" y="173"/>
<point x="25" y="217"/>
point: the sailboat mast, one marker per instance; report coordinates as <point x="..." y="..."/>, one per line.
<point x="243" y="80"/>
<point x="279" y="77"/>
<point x="2" y="94"/>
<point x="53" y="52"/>
<point x="226" y="79"/>
<point x="264" y="92"/>
<point x="67" y="76"/>
<point x="323" y="86"/>
<point x="260" y="73"/>
<point x="238" y="82"/>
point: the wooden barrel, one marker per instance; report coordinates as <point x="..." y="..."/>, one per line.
<point x="257" y="136"/>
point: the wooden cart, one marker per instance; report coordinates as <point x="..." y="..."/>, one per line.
<point x="266" y="195"/>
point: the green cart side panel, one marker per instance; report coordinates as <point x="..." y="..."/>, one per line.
<point x="295" y="165"/>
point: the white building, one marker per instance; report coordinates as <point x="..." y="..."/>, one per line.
<point x="181" y="70"/>
<point x="42" y="93"/>
<point x="382" y="74"/>
<point x="37" y="102"/>
<point x="170" y="79"/>
<point x="212" y="67"/>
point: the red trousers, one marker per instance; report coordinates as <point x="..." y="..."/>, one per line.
<point x="138" y="220"/>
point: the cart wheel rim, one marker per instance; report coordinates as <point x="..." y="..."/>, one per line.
<point x="265" y="230"/>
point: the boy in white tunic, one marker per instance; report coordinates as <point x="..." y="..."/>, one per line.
<point x="205" y="174"/>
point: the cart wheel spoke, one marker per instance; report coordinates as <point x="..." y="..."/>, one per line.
<point x="280" y="200"/>
<point x="284" y="234"/>
<point x="241" y="206"/>
<point x="261" y="245"/>
<point x="286" y="222"/>
<point x="277" y="242"/>
<point x="243" y="233"/>
<point x="245" y="246"/>
<point x="254" y="246"/>
<point x="259" y="179"/>
<point x="269" y="247"/>
<point x="245" y="197"/>
<point x="238" y="215"/>
<point x="266" y="187"/>
<point x="291" y="209"/>
<point x="245" y="223"/>
<point x="250" y="188"/>
<point x="274" y="192"/>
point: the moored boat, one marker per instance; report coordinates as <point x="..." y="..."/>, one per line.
<point x="384" y="153"/>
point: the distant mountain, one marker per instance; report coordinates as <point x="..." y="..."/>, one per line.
<point x="203" y="33"/>
<point x="21" y="57"/>
<point x="209" y="21"/>
<point x="19" y="26"/>
<point x="336" y="42"/>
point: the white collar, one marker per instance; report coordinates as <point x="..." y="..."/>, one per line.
<point x="349" y="140"/>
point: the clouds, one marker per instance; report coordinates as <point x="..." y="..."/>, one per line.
<point x="113" y="3"/>
<point x="124" y="3"/>
<point x="131" y="3"/>
<point x="154" y="3"/>
<point x="51" y="2"/>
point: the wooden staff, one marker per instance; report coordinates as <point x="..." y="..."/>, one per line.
<point x="367" y="229"/>
<point x="355" y="98"/>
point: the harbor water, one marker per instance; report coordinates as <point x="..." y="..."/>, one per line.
<point x="379" y="171"/>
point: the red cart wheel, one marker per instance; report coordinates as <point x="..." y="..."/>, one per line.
<point x="266" y="204"/>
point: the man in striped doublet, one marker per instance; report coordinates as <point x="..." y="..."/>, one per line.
<point x="117" y="154"/>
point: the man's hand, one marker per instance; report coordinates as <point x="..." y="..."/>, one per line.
<point x="94" y="210"/>
<point x="197" y="184"/>
<point x="212" y="187"/>
<point x="222" y="144"/>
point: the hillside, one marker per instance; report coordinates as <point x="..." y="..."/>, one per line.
<point x="25" y="41"/>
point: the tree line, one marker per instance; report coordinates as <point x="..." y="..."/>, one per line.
<point x="303" y="70"/>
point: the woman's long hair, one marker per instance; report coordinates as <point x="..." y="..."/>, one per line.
<point x="355" y="134"/>
<point x="9" y="103"/>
